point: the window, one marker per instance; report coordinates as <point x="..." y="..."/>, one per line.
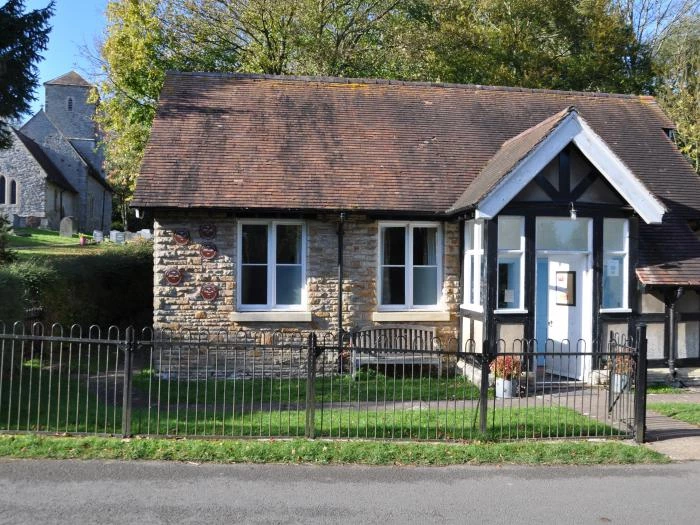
<point x="562" y="234"/>
<point x="615" y="250"/>
<point x="2" y="189"/>
<point x="272" y="261"/>
<point x="13" y="192"/>
<point x="410" y="265"/>
<point x="70" y="104"/>
<point x="511" y="251"/>
<point x="474" y="264"/>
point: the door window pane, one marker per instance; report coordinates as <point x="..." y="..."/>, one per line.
<point x="509" y="282"/>
<point x="394" y="245"/>
<point x="613" y="281"/>
<point x="425" y="286"/>
<point x="393" y="285"/>
<point x="288" y="285"/>
<point x="254" y="284"/>
<point x="254" y="244"/>
<point x="562" y="234"/>
<point x="289" y="244"/>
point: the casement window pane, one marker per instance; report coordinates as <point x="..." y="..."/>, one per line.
<point x="254" y="284"/>
<point x="508" y="282"/>
<point x="394" y="245"/>
<point x="289" y="244"/>
<point x="614" y="235"/>
<point x="393" y="285"/>
<point x="425" y="286"/>
<point x="509" y="232"/>
<point x="468" y="283"/>
<point x="613" y="281"/>
<point x="424" y="246"/>
<point x="254" y="244"/>
<point x="562" y="234"/>
<point x="288" y="285"/>
<point x="469" y="232"/>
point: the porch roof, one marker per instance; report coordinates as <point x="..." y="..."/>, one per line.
<point x="669" y="254"/>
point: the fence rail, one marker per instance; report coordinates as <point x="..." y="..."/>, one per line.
<point x="290" y="384"/>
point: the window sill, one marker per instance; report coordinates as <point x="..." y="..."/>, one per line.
<point x="472" y="308"/>
<point x="411" y="315"/>
<point x="514" y="311"/>
<point x="615" y="310"/>
<point x="271" y="317"/>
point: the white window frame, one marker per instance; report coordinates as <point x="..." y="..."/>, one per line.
<point x="512" y="254"/>
<point x="409" y="226"/>
<point x="625" y="268"/>
<point x="271" y="266"/>
<point x="472" y="273"/>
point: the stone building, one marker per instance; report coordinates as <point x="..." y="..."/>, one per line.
<point x="487" y="213"/>
<point x="54" y="167"/>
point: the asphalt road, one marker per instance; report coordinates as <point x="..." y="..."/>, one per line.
<point x="149" y="492"/>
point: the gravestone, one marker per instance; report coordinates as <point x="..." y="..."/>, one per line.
<point x="98" y="236"/>
<point x="68" y="227"/>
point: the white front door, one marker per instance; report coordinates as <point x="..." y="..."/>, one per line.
<point x="566" y="309"/>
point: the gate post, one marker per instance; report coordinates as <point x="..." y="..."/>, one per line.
<point x="640" y="391"/>
<point x="484" y="387"/>
<point x="309" y="427"/>
<point x="129" y="346"/>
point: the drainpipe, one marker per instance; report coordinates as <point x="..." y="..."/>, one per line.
<point x="102" y="219"/>
<point x="340" y="280"/>
<point x="672" y="329"/>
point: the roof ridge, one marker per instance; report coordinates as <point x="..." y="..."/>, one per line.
<point x="413" y="83"/>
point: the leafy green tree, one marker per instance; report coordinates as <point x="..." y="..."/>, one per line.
<point x="23" y="36"/>
<point x="678" y="62"/>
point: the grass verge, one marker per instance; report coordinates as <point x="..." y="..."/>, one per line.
<point x="327" y="452"/>
<point x="688" y="412"/>
<point x="665" y="389"/>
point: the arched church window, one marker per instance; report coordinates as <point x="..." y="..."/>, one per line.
<point x="2" y="189"/>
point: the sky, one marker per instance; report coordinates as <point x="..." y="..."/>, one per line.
<point x="76" y="23"/>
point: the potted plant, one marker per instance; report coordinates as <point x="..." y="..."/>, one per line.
<point x="507" y="369"/>
<point x="621" y="369"/>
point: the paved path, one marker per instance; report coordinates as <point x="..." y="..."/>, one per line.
<point x="102" y="492"/>
<point x="676" y="439"/>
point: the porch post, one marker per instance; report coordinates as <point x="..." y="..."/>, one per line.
<point x="597" y="325"/>
<point x="491" y="282"/>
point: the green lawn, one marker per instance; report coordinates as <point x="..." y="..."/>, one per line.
<point x="327" y="452"/>
<point x="688" y="412"/>
<point x="665" y="389"/>
<point x="86" y="397"/>
<point x="34" y="237"/>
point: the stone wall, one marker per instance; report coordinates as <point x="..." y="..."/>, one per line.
<point x="76" y="123"/>
<point x="182" y="307"/>
<point x="16" y="163"/>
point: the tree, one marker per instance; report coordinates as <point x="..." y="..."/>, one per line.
<point x="6" y="255"/>
<point x="23" y="36"/>
<point x="678" y="62"/>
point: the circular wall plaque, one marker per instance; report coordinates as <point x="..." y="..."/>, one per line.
<point x="173" y="276"/>
<point x="209" y="292"/>
<point x="207" y="231"/>
<point x="208" y="250"/>
<point x="181" y="236"/>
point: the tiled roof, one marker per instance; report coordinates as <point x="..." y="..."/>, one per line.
<point x="53" y="174"/>
<point x="247" y="141"/>
<point x="510" y="154"/>
<point x="69" y="79"/>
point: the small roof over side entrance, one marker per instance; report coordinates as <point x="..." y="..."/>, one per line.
<point x="522" y="157"/>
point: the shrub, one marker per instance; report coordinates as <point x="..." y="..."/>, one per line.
<point x="506" y="366"/>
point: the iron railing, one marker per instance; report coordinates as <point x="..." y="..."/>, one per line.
<point x="275" y="384"/>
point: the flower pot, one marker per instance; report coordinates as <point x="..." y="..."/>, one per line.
<point x="619" y="383"/>
<point x="83" y="241"/>
<point x="506" y="388"/>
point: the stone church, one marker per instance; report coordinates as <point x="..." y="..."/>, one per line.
<point x="54" y="168"/>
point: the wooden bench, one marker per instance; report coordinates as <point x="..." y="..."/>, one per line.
<point x="395" y="345"/>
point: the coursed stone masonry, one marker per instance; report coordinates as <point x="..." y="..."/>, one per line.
<point x="181" y="307"/>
